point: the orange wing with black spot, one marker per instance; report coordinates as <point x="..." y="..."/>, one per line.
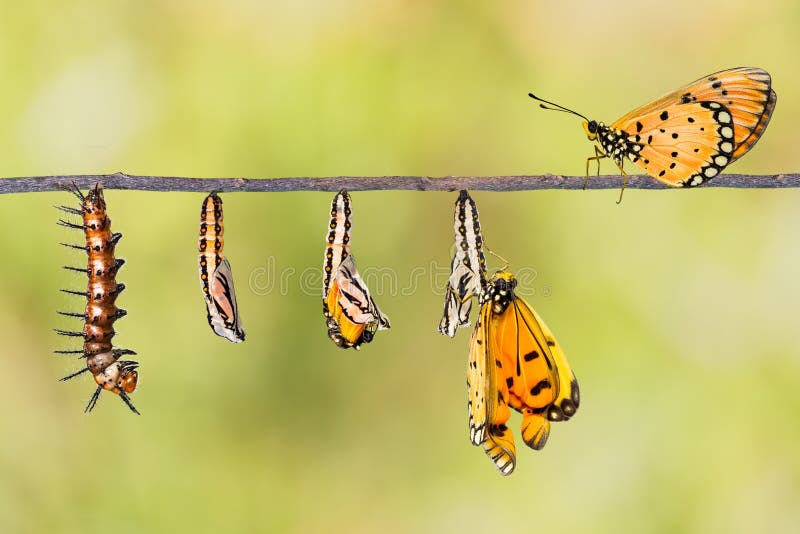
<point x="515" y="362"/>
<point x="685" y="146"/>
<point x="541" y="383"/>
<point x="691" y="134"/>
<point x="488" y="396"/>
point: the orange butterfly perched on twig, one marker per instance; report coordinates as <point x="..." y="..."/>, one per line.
<point x="689" y="135"/>
<point x="514" y="361"/>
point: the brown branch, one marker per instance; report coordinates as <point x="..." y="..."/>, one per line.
<point x="365" y="183"/>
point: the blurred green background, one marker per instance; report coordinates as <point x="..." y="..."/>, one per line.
<point x="677" y="309"/>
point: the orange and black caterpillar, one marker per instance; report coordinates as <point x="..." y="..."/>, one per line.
<point x="102" y="360"/>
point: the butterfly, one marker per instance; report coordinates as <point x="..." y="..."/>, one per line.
<point x="515" y="362"/>
<point x="468" y="268"/>
<point x="216" y="277"/>
<point x="690" y="135"/>
<point x="351" y="315"/>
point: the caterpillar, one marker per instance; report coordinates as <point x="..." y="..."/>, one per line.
<point x="351" y="315"/>
<point x="216" y="278"/>
<point x="102" y="359"/>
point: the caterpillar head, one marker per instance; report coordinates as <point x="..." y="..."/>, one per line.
<point x="129" y="376"/>
<point x="119" y="377"/>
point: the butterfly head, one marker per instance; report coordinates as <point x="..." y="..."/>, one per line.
<point x="501" y="291"/>
<point x="591" y="128"/>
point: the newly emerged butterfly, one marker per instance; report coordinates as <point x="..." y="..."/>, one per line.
<point x="351" y="315"/>
<point x="691" y="134"/>
<point x="515" y="362"/>
<point x="468" y="268"/>
<point x="216" y="278"/>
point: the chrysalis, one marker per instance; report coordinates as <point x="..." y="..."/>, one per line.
<point x="216" y="278"/>
<point x="351" y="315"/>
<point x="468" y="268"/>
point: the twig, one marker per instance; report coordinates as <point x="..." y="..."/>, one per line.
<point x="365" y="183"/>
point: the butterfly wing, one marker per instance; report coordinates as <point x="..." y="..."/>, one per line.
<point x="223" y="312"/>
<point x="542" y="386"/>
<point x="477" y="379"/>
<point x="685" y="146"/>
<point x="468" y="268"/>
<point x="488" y="397"/>
<point x="355" y="297"/>
<point x="568" y="398"/>
<point x="343" y="330"/>
<point x="699" y="112"/>
<point x="350" y="306"/>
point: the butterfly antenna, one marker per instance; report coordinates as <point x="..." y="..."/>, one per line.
<point x="552" y="106"/>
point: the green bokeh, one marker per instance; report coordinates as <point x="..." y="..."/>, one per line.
<point x="677" y="309"/>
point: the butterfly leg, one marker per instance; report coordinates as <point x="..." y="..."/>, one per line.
<point x="624" y="182"/>
<point x="459" y="298"/>
<point x="598" y="155"/>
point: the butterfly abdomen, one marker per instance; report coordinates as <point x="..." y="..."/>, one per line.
<point x="618" y="145"/>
